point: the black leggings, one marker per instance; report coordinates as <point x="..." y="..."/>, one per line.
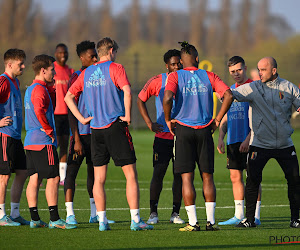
<point x="287" y="159"/>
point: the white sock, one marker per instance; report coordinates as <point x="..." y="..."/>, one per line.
<point x="257" y="210"/>
<point x="93" y="207"/>
<point x="135" y="215"/>
<point x="2" y="210"/>
<point x="191" y="212"/>
<point x="210" y="211"/>
<point x="62" y="170"/>
<point x="69" y="208"/>
<point x="102" y="216"/>
<point x="14" y="212"/>
<point x="239" y="209"/>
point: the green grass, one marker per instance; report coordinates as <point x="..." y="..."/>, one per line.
<point x="274" y="213"/>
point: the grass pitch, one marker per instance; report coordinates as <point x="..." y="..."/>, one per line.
<point x="275" y="213"/>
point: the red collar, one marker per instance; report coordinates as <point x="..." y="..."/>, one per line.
<point x="101" y="62"/>
<point x="237" y="85"/>
<point x="40" y="82"/>
<point x="191" y="68"/>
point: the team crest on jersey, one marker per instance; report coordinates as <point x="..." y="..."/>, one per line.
<point x="96" y="79"/>
<point x="253" y="155"/>
<point x="281" y="95"/>
<point x="156" y="157"/>
<point x="195" y="87"/>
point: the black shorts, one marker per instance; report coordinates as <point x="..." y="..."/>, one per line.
<point x="193" y="145"/>
<point x="12" y="155"/>
<point x="236" y="159"/>
<point x="44" y="162"/>
<point x="115" y="142"/>
<point x="62" y="125"/>
<point x="258" y="158"/>
<point x="162" y="151"/>
<point x="78" y="159"/>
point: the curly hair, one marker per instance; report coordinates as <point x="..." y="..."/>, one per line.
<point x="84" y="46"/>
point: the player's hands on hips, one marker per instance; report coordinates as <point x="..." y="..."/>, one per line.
<point x="78" y="148"/>
<point x="156" y="127"/>
<point x="214" y="125"/>
<point x="87" y="120"/>
<point x="6" y="121"/>
<point x="244" y="147"/>
<point x="52" y="138"/>
<point x="125" y="119"/>
<point x="221" y="147"/>
<point x="171" y="125"/>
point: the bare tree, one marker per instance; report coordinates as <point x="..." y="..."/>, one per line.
<point x="78" y="27"/>
<point x="107" y="22"/>
<point x="211" y="37"/>
<point x="152" y="23"/>
<point x="225" y="30"/>
<point x="38" y="36"/>
<point x="198" y="11"/>
<point x="134" y="25"/>
<point x="244" y="27"/>
<point x="20" y="24"/>
<point x="167" y="27"/>
<point x="261" y="31"/>
<point x="7" y="17"/>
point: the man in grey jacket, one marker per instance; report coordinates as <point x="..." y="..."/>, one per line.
<point x="271" y="100"/>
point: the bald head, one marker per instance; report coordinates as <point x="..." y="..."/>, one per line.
<point x="270" y="60"/>
<point x="267" y="68"/>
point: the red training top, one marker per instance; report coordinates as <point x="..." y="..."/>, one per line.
<point x="5" y="87"/>
<point x="62" y="76"/>
<point x="152" y="88"/>
<point x="73" y="78"/>
<point x="40" y="100"/>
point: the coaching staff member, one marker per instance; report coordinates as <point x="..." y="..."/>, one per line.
<point x="271" y="99"/>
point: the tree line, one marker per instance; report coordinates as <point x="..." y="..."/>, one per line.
<point x="231" y="29"/>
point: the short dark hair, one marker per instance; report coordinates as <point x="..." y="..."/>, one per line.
<point x="61" y="45"/>
<point x="170" y="53"/>
<point x="105" y="44"/>
<point x="235" y="60"/>
<point x="273" y="62"/>
<point x="14" y="54"/>
<point x="84" y="46"/>
<point x="187" y="48"/>
<point x="41" y="61"/>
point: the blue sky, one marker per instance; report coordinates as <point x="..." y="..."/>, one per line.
<point x="289" y="9"/>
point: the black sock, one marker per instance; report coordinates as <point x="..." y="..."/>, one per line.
<point x="153" y="206"/>
<point x="176" y="207"/>
<point x="34" y="213"/>
<point x="54" y="213"/>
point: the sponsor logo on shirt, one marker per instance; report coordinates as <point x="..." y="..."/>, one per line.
<point x="195" y="87"/>
<point x="237" y="111"/>
<point x="96" y="79"/>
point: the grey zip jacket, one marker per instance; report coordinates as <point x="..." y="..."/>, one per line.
<point x="270" y="111"/>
